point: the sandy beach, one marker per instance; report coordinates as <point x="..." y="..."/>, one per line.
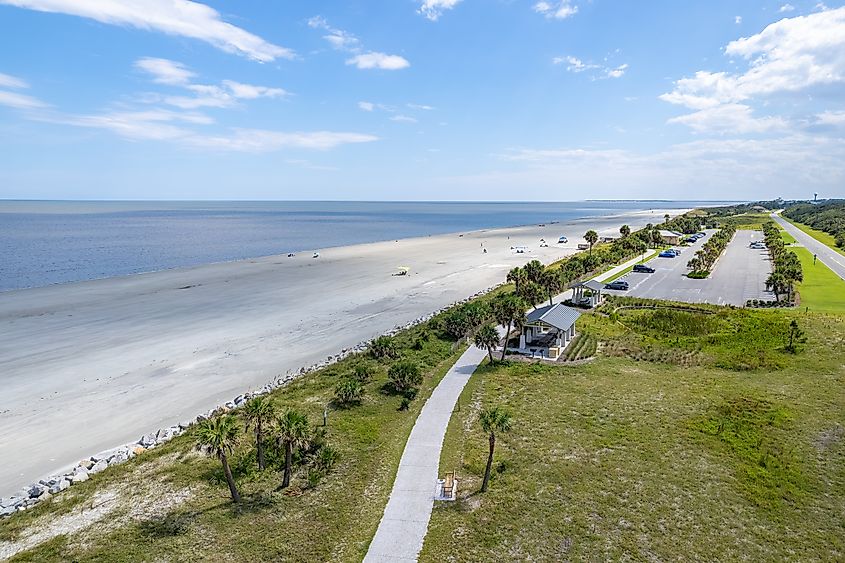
<point x="91" y="365"/>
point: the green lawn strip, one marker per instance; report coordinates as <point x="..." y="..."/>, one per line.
<point x="822" y="290"/>
<point x="628" y="270"/>
<point x="821" y="236"/>
<point x="623" y="459"/>
<point x="333" y="521"/>
<point x="749" y="221"/>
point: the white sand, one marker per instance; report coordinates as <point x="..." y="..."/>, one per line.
<point x="91" y="365"/>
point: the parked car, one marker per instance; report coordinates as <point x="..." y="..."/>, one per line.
<point x="562" y="240"/>
<point x="667" y="254"/>
<point x="618" y="285"/>
<point x="690" y="240"/>
<point x="643" y="269"/>
<point x="701" y="235"/>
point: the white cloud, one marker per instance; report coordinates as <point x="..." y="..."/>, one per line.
<point x="792" y="55"/>
<point x="378" y="60"/>
<point x="9" y="81"/>
<point x="173" y="17"/>
<point x="366" y="106"/>
<point x="557" y="10"/>
<point x="14" y="99"/>
<point x="165" y="71"/>
<point x="831" y="118"/>
<point x="19" y="101"/>
<point x="420" y="107"/>
<point x="339" y="39"/>
<point x="616" y="72"/>
<point x="729" y="119"/>
<point x="260" y="140"/>
<point x="251" y="92"/>
<point x="433" y="9"/>
<point x="786" y="8"/>
<point x="403" y="119"/>
<point x="737" y="20"/>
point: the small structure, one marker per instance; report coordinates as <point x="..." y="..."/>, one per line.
<point x="447" y="489"/>
<point x="588" y="293"/>
<point x="547" y="331"/>
<point x="671" y="237"/>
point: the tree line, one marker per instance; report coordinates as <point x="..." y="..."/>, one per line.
<point x="828" y="216"/>
<point x="705" y="258"/>
<point x="786" y="267"/>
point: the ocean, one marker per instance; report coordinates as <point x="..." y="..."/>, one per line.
<point x="50" y="242"/>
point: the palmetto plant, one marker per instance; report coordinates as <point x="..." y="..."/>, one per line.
<point x="507" y="309"/>
<point x="550" y="279"/>
<point x="625" y="231"/>
<point x="592" y="238"/>
<point x="218" y="436"/>
<point x="517" y="276"/>
<point x="487" y="338"/>
<point x="493" y="421"/>
<point x="293" y="432"/>
<point x="258" y="414"/>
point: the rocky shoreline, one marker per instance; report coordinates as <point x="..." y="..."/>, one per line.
<point x="44" y="489"/>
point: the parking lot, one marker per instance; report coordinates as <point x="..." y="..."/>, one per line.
<point x="740" y="274"/>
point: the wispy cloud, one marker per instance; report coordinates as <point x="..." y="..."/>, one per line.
<point x="344" y="41"/>
<point x="559" y="10"/>
<point x="15" y="99"/>
<point x="173" y="17"/>
<point x="433" y="9"/>
<point x="574" y="64"/>
<point x="377" y="60"/>
<point x="422" y="107"/>
<point x="366" y="106"/>
<point x="786" y="8"/>
<point x="9" y="81"/>
<point x="403" y="118"/>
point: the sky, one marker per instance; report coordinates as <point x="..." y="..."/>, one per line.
<point x="422" y="99"/>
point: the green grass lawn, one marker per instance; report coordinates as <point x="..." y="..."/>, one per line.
<point x="654" y="454"/>
<point x="821" y="236"/>
<point x="822" y="290"/>
<point x="749" y="221"/>
<point x="173" y="505"/>
<point x="787" y="238"/>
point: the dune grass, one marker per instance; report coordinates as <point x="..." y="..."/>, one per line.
<point x="620" y="459"/>
<point x="822" y="290"/>
<point x="172" y="502"/>
<point x="749" y="221"/>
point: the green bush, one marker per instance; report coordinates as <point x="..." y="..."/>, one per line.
<point x="383" y="348"/>
<point x="404" y="376"/>
<point x="348" y="392"/>
<point x="363" y="372"/>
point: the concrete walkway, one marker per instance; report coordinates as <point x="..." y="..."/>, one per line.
<point x="403" y="527"/>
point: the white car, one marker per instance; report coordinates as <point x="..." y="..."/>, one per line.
<point x="562" y="240"/>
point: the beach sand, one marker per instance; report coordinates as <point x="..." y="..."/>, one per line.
<point x="91" y="365"/>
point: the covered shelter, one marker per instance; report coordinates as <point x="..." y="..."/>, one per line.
<point x="588" y="293"/>
<point x="547" y="331"/>
<point x="671" y="237"/>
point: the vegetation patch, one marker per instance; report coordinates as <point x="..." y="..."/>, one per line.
<point x="821" y="290"/>
<point x="752" y="429"/>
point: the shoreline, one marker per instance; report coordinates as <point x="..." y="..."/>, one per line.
<point x="156" y="343"/>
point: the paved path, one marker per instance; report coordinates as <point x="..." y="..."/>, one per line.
<point x="403" y="527"/>
<point x="827" y="255"/>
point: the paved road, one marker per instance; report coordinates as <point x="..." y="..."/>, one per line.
<point x="827" y="255"/>
<point x="403" y="527"/>
<point x="740" y="274"/>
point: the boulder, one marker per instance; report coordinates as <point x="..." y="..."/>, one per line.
<point x="118" y="458"/>
<point x="148" y="440"/>
<point x="80" y="475"/>
<point x="59" y="486"/>
<point x="7" y="510"/>
<point x="99" y="466"/>
<point x="138" y="450"/>
<point x="36" y="490"/>
<point x="86" y="463"/>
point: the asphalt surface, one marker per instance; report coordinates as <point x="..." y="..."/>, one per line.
<point x="827" y="255"/>
<point x="739" y="274"/>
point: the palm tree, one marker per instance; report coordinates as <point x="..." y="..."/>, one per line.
<point x="487" y="337"/>
<point x="218" y="436"/>
<point x="666" y="218"/>
<point x="516" y="276"/>
<point x="550" y="279"/>
<point x="293" y="433"/>
<point x="259" y="412"/>
<point x="493" y="420"/>
<point x="534" y="271"/>
<point x="591" y="237"/>
<point x="625" y="231"/>
<point x="656" y="238"/>
<point x="508" y="309"/>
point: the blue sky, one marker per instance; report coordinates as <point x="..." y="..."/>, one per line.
<point x="421" y="99"/>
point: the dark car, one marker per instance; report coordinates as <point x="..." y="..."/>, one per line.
<point x="618" y="284"/>
<point x="643" y="269"/>
<point x="690" y="240"/>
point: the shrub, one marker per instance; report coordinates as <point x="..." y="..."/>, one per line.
<point x="404" y="375"/>
<point x="363" y="372"/>
<point x="348" y="392"/>
<point x="383" y="347"/>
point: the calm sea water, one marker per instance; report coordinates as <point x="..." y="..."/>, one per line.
<point x="48" y="242"/>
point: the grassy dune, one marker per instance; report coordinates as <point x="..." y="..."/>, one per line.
<point x="655" y="452"/>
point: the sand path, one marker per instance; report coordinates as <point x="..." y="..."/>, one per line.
<point x="91" y="365"/>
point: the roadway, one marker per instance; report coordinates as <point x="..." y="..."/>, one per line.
<point x="739" y="274"/>
<point x="829" y="257"/>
